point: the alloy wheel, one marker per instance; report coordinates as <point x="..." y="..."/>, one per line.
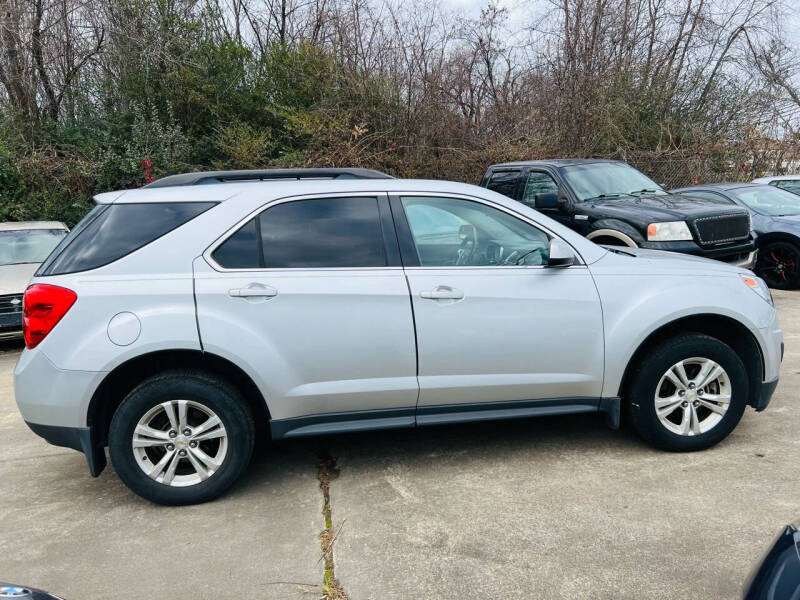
<point x="180" y="443"/>
<point x="693" y="396"/>
<point x="778" y="265"/>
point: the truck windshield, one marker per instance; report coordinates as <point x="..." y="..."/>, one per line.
<point x="24" y="246"/>
<point x="608" y="180"/>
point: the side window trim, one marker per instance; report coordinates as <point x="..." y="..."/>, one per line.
<point x="405" y="241"/>
<point x="391" y="242"/>
<point x="387" y="231"/>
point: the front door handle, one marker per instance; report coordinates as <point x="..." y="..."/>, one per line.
<point x="253" y="291"/>
<point x="442" y="292"/>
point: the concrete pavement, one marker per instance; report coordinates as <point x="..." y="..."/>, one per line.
<point x="565" y="508"/>
<point x="87" y="539"/>
<point x="551" y="508"/>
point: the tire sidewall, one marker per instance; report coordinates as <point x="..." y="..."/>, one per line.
<point x="647" y="378"/>
<point x="218" y="397"/>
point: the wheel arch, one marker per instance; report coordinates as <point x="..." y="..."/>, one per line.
<point x="726" y="329"/>
<point x="777" y="236"/>
<point x="124" y="377"/>
<point x="617" y="230"/>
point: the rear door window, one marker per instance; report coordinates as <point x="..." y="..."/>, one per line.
<point x="308" y="234"/>
<point x="112" y="231"/>
<point x="504" y="182"/>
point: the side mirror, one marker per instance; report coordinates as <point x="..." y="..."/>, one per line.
<point x="546" y="200"/>
<point x="560" y="254"/>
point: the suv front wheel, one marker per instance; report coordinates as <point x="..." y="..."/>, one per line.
<point x="688" y="394"/>
<point x="181" y="437"/>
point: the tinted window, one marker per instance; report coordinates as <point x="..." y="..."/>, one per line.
<point x="114" y="230"/>
<point x="330" y="232"/>
<point x="504" y="182"/>
<point x="314" y="234"/>
<point x="538" y="183"/>
<point x="465" y="233"/>
<point x="241" y="250"/>
<point x="26" y="246"/>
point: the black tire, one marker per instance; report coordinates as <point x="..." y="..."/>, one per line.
<point x="779" y="265"/>
<point x="207" y="390"/>
<point x="640" y="396"/>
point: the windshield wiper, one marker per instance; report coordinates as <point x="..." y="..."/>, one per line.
<point x="644" y="191"/>
<point x="602" y="196"/>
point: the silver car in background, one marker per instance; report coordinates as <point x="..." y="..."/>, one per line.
<point x="23" y="247"/>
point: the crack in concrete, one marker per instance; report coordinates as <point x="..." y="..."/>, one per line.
<point x="326" y="472"/>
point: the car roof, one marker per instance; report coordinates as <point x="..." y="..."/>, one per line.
<point x="215" y="177"/>
<point x="270" y="190"/>
<point x="776" y="178"/>
<point x="555" y="162"/>
<point x="29" y="225"/>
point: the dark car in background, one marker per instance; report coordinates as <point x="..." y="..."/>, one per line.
<point x="777" y="575"/>
<point x="776" y="224"/>
<point x="612" y="203"/>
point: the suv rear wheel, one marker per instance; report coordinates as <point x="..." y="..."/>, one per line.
<point x="182" y="437"/>
<point x="688" y="394"/>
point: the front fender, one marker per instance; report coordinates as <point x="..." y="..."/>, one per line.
<point x="603" y="227"/>
<point x="635" y="306"/>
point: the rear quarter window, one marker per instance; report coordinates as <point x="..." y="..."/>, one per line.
<point x="111" y="231"/>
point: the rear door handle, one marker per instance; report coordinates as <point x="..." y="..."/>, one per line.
<point x="253" y="291"/>
<point x="442" y="292"/>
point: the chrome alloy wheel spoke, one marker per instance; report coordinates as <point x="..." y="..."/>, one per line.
<point x="692" y="396"/>
<point x="180" y="443"/>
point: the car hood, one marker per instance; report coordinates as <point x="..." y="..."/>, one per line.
<point x="651" y="261"/>
<point x="669" y="207"/>
<point x="789" y="221"/>
<point x="14" y="278"/>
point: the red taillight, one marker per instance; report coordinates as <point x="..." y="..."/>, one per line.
<point x="42" y="308"/>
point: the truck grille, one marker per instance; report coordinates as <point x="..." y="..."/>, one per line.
<point x="722" y="229"/>
<point x="10" y="304"/>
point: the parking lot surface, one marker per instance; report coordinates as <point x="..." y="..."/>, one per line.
<point x="559" y="507"/>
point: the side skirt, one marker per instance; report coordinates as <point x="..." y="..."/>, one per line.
<point x="370" y="420"/>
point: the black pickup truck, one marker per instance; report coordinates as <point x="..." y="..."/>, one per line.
<point x="612" y="203"/>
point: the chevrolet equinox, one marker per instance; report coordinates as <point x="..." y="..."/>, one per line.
<point x="173" y="323"/>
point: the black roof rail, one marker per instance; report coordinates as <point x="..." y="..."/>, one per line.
<point x="211" y="177"/>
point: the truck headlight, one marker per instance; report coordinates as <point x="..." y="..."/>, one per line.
<point x="671" y="231"/>
<point x="759" y="286"/>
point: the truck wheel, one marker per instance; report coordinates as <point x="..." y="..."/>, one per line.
<point x="688" y="394"/>
<point x="182" y="437"/>
<point x="779" y="265"/>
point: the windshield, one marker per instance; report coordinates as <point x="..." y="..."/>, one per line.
<point x="768" y="200"/>
<point x="608" y="180"/>
<point x="28" y="245"/>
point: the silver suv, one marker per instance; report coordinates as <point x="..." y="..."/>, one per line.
<point x="173" y="323"/>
